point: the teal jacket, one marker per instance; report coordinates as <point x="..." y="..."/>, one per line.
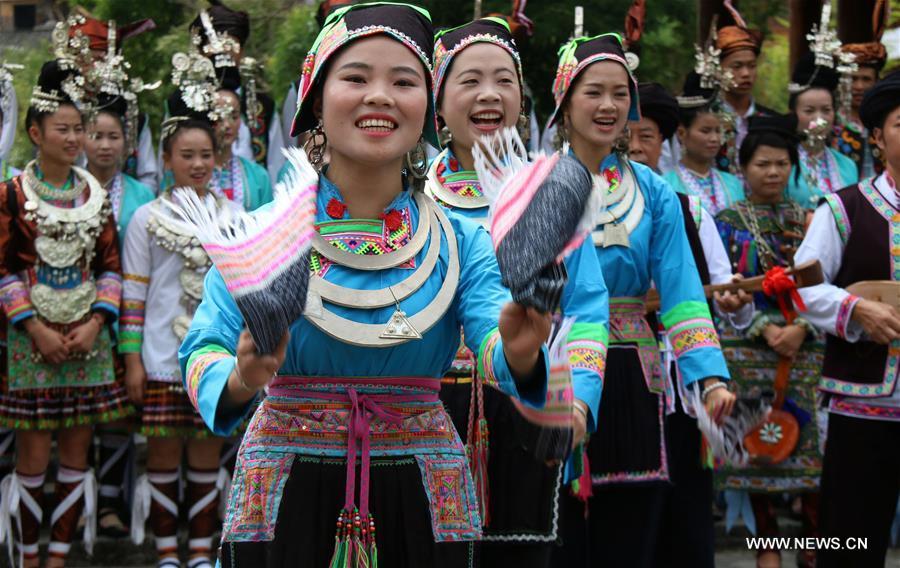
<point x="798" y="190"/>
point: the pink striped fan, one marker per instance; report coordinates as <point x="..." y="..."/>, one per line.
<point x="541" y="210"/>
<point x="262" y="256"/>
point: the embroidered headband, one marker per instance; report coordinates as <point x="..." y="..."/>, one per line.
<point x="450" y="43"/>
<point x="579" y="53"/>
<point x="410" y="25"/>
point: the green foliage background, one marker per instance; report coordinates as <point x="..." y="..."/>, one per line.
<point x="283" y="30"/>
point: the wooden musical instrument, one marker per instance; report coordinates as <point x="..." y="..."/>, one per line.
<point x="805" y="274"/>
<point x="886" y="291"/>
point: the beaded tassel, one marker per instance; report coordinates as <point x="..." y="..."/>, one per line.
<point x="478" y="445"/>
<point x="372" y="547"/>
<point x="341" y="556"/>
<point x="582" y="487"/>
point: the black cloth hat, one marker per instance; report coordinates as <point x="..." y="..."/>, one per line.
<point x="225" y="20"/>
<point x="661" y="107"/>
<point x="784" y="125"/>
<point x="808" y="75"/>
<point x="880" y="100"/>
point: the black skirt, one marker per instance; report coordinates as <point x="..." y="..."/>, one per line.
<point x="523" y="491"/>
<point x="628" y="444"/>
<point x="398" y="500"/>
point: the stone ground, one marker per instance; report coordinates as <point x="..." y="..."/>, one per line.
<point x="111" y="554"/>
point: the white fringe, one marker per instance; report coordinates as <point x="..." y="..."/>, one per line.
<point x="727" y="440"/>
<point x="498" y="159"/>
<point x="503" y="156"/>
<point x="231" y="225"/>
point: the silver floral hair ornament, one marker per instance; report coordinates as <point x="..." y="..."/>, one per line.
<point x="109" y="76"/>
<point x="826" y="47"/>
<point x="222" y="50"/>
<point x="195" y="77"/>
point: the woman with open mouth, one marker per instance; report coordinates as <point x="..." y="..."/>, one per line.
<point x="478" y="81"/>
<point x="640" y="238"/>
<point x="164" y="270"/>
<point x="394" y="277"/>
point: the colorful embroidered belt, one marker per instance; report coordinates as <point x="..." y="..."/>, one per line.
<point x="351" y="418"/>
<point x="628" y="327"/>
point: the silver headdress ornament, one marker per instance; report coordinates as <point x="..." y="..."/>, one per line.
<point x="222" y="50"/>
<point x="73" y="53"/>
<point x="826" y="47"/>
<point x="249" y="68"/>
<point x="195" y="76"/>
<point x="708" y="62"/>
<point x="6" y="85"/>
<point x="110" y="75"/>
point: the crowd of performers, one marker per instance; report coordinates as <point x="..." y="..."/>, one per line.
<point x="367" y="332"/>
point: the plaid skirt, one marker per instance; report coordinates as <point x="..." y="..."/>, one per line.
<point x="168" y="412"/>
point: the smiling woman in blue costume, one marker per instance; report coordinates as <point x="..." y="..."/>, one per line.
<point x="641" y="238"/>
<point x="343" y="371"/>
<point x="478" y="81"/>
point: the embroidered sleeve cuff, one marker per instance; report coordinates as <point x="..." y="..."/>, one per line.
<point x="131" y="326"/>
<point x="695" y="342"/>
<point x="109" y="294"/>
<point x="495" y="370"/>
<point x="207" y="375"/>
<point x="842" y="324"/>
<point x="586" y="346"/>
<point x="15" y="299"/>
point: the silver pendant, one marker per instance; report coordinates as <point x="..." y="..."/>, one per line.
<point x="399" y="327"/>
<point x="615" y="235"/>
<point x="314" y="307"/>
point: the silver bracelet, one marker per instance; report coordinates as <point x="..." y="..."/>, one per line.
<point x="581" y="408"/>
<point x="240" y="378"/>
<point x="705" y="394"/>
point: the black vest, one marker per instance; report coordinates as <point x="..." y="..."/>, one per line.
<point x="867" y="256"/>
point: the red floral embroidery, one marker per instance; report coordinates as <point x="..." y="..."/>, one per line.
<point x="335" y="209"/>
<point x="392" y="220"/>
<point x="454" y="164"/>
<point x="610" y="175"/>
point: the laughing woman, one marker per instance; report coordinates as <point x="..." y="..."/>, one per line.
<point x="478" y="80"/>
<point x="641" y="238"/>
<point x="366" y="87"/>
<point x="164" y="273"/>
<point x="60" y="289"/>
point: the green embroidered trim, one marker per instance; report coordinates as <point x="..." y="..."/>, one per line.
<point x="486" y="357"/>
<point x="684" y="311"/>
<point x="840" y="216"/>
<point x="589" y="331"/>
<point x="373" y="226"/>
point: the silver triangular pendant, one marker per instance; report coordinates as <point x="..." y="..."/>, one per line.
<point x="615" y="235"/>
<point x="399" y="327"/>
<point x="314" y="307"/>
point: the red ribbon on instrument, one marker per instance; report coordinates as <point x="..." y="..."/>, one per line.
<point x="777" y="283"/>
